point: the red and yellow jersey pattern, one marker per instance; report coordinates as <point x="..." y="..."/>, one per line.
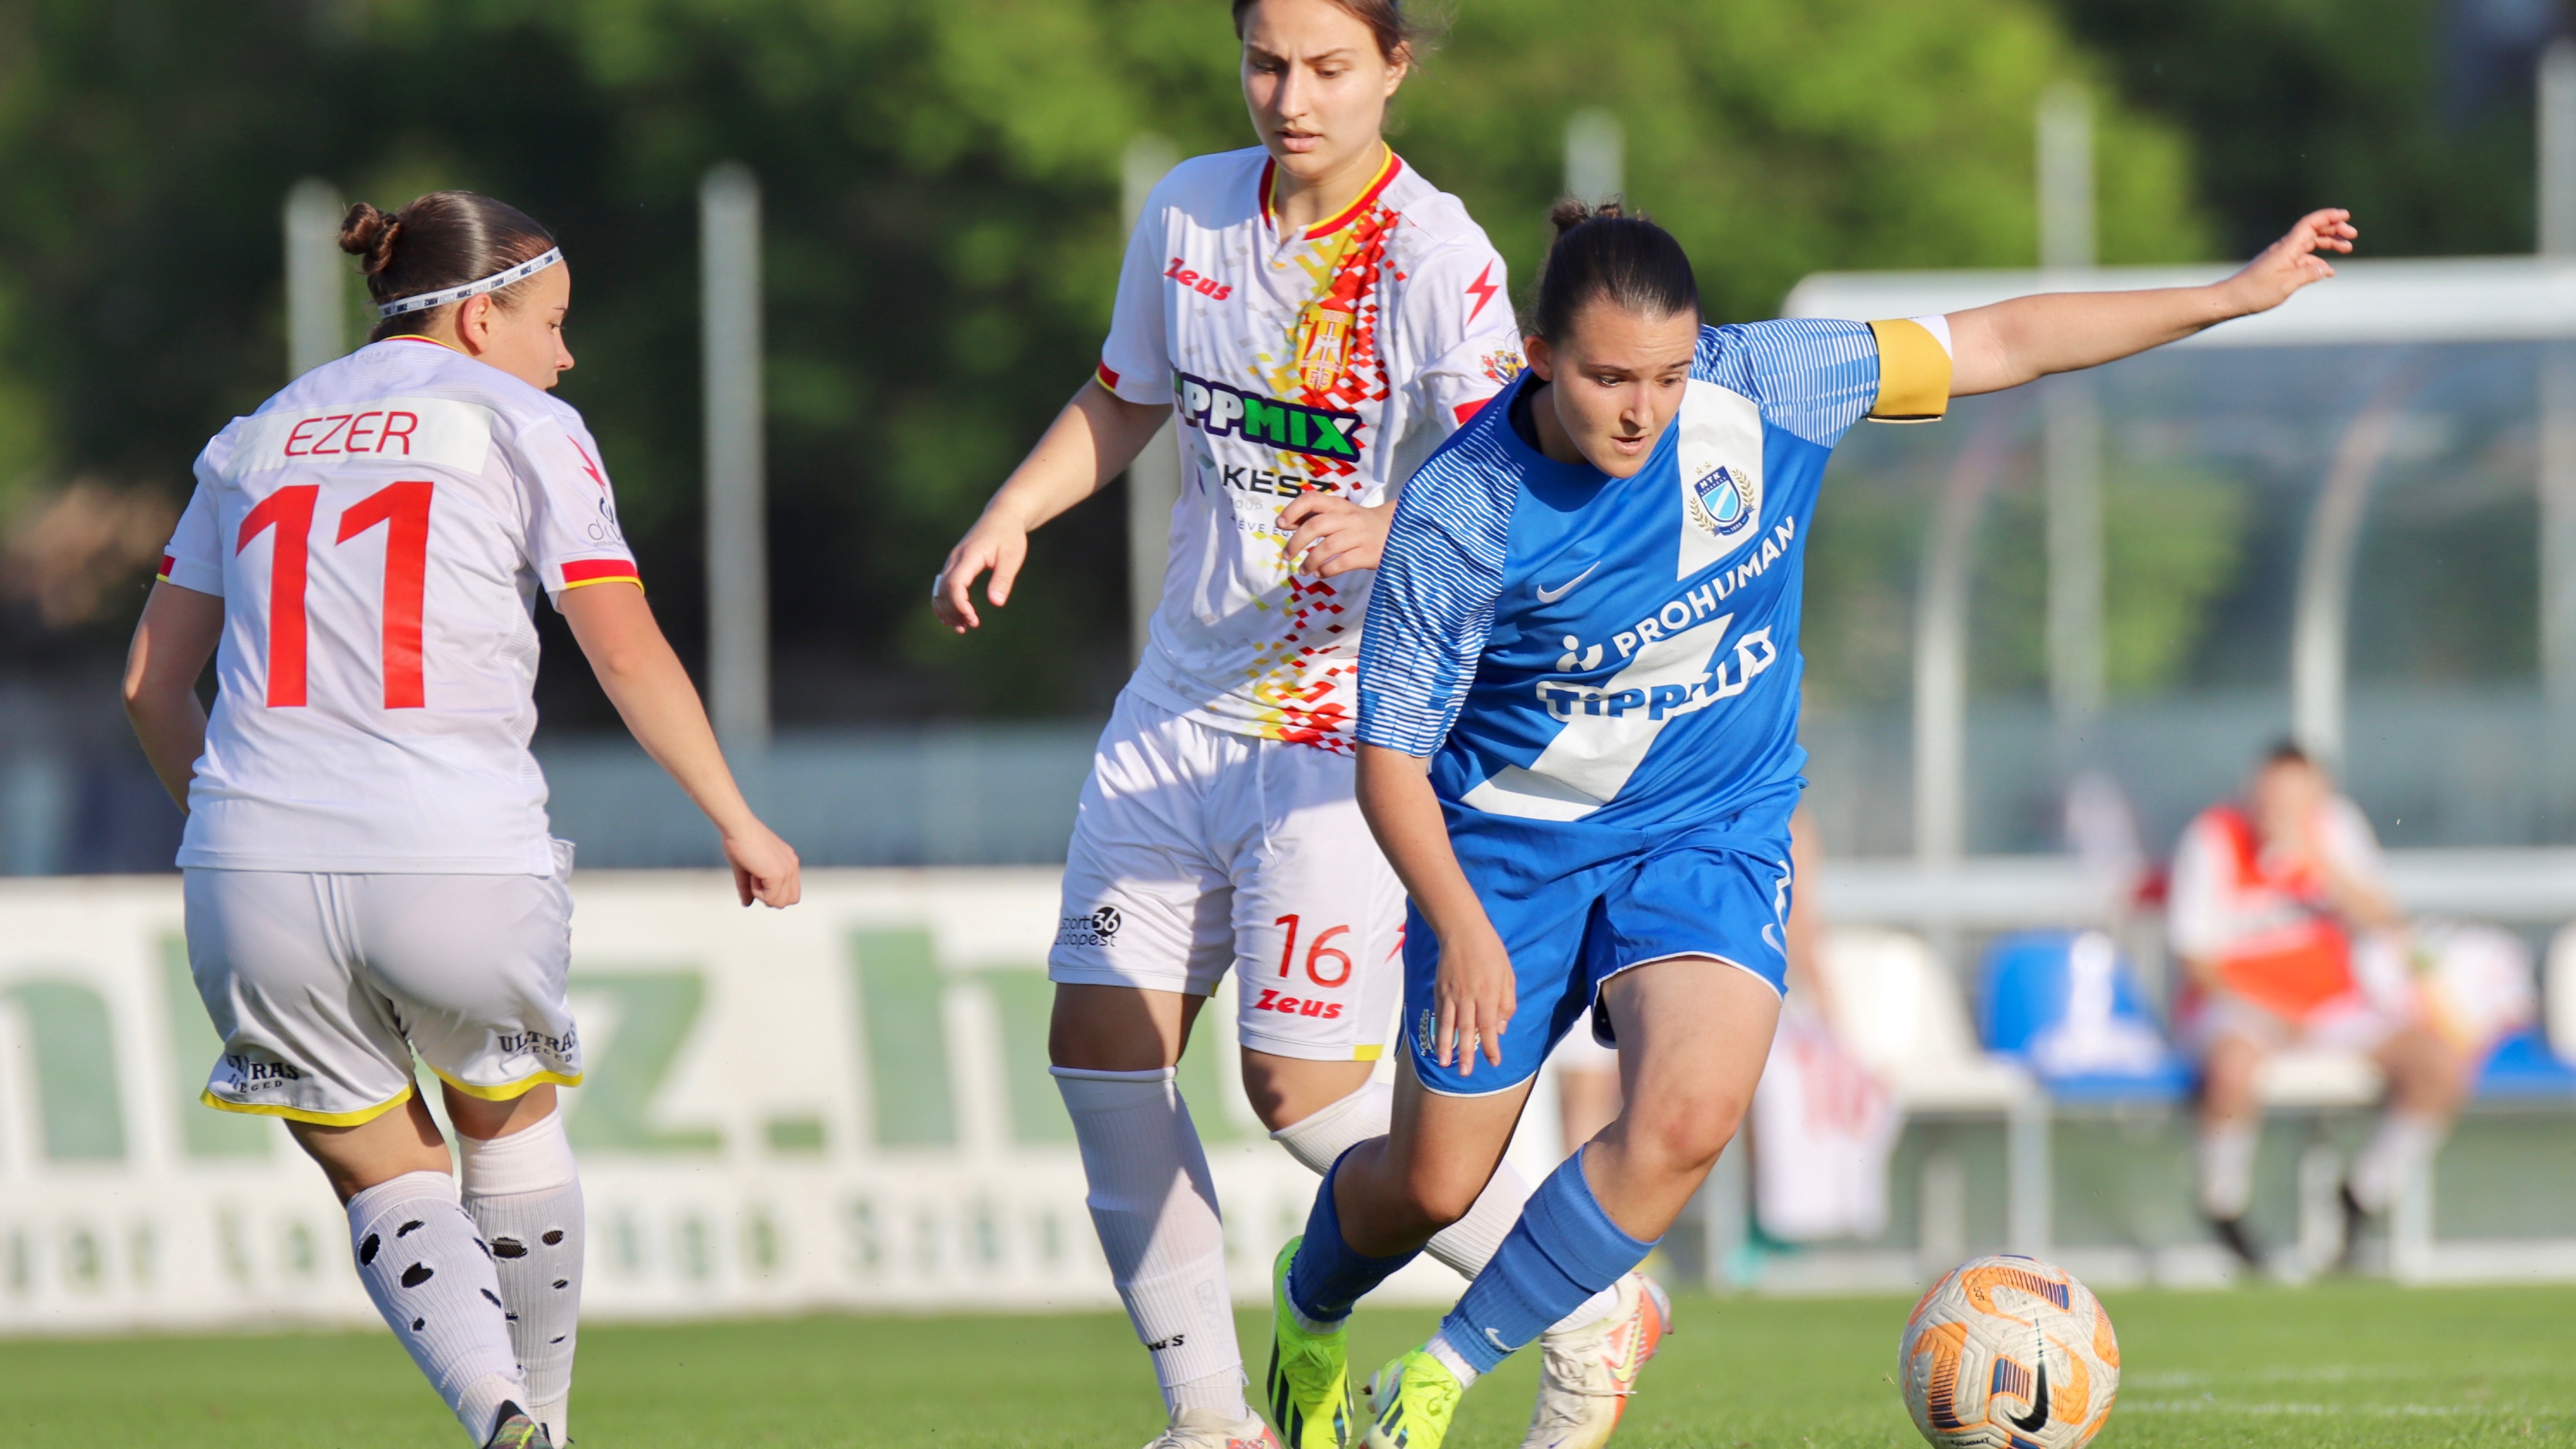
<point x="1329" y="359"/>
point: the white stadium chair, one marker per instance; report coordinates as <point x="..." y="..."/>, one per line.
<point x="1899" y="1009"/>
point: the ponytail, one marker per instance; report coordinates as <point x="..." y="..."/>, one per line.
<point x="1603" y="252"/>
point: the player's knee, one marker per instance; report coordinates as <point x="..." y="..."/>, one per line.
<point x="1437" y="1199"/>
<point x="1685" y="1135"/>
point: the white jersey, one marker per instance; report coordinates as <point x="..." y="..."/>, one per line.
<point x="1333" y="359"/>
<point x="378" y="532"/>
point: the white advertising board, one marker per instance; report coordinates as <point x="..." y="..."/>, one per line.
<point x="840" y="1105"/>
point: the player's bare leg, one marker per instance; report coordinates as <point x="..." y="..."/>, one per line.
<point x="2428" y="1079"/>
<point x="2231" y="1125"/>
<point x="523" y="1192"/>
<point x="425" y="1265"/>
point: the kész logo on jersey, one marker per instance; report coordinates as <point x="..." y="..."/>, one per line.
<point x="1221" y="411"/>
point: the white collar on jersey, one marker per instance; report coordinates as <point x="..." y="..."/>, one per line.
<point x="493" y="283"/>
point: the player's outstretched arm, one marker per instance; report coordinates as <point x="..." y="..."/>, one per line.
<point x="643" y="678"/>
<point x="2010" y="343"/>
<point x="172" y="642"/>
<point x="1475" y="992"/>
<point x="1092" y="441"/>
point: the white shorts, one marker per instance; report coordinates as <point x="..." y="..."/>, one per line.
<point x="2351" y="1022"/>
<point x="1198" y="850"/>
<point x="322" y="986"/>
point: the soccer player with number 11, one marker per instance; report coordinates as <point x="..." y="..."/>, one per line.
<point x="368" y="870"/>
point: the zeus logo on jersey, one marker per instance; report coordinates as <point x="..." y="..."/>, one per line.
<point x="1208" y="287"/>
<point x="1218" y="410"/>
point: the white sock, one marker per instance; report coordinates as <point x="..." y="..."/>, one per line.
<point x="2227" y="1168"/>
<point x="524" y="1193"/>
<point x="1153" y="1203"/>
<point x="1320" y="1138"/>
<point x="2400" y="1149"/>
<point x="1452" y="1360"/>
<point x="432" y="1279"/>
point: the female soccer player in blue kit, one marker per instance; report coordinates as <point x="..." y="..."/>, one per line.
<point x="1578" y="748"/>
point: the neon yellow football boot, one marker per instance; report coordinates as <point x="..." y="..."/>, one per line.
<point x="1410" y="1403"/>
<point x="1309" y="1377"/>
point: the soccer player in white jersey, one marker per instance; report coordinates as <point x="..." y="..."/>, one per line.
<point x="368" y="868"/>
<point x="1578" y="745"/>
<point x="1320" y="317"/>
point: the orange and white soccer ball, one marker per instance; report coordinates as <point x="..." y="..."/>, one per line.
<point x="2008" y="1353"/>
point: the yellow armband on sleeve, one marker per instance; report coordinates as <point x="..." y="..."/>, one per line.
<point x="1913" y="374"/>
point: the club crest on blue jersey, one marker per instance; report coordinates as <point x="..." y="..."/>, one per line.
<point x="1721" y="503"/>
<point x="1720" y="457"/>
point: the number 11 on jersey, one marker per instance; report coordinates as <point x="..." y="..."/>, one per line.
<point x="404" y="510"/>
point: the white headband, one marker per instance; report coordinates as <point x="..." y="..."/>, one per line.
<point x="492" y="283"/>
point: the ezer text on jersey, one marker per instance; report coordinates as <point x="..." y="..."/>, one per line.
<point x="352" y="433"/>
<point x="1221" y="411"/>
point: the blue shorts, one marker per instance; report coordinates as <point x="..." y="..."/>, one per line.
<point x="1577" y="906"/>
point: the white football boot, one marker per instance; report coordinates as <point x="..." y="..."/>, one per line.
<point x="1588" y="1373"/>
<point x="1208" y="1429"/>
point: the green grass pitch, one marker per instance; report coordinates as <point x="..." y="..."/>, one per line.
<point x="2341" y="1364"/>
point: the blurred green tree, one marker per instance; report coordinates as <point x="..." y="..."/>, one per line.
<point x="940" y="189"/>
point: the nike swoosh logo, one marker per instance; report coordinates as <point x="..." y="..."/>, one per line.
<point x="2038" y="1415"/>
<point x="1549" y="596"/>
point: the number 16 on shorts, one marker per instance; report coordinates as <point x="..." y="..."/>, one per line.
<point x="1321" y="997"/>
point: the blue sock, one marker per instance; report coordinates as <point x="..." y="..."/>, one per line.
<point x="1326" y="1277"/>
<point x="1562" y="1251"/>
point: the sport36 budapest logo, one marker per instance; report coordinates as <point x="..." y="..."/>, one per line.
<point x="1100" y="928"/>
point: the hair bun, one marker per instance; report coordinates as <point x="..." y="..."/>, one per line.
<point x="1573" y="211"/>
<point x="368" y="234"/>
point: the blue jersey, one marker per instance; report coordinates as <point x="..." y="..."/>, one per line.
<point x="1569" y="646"/>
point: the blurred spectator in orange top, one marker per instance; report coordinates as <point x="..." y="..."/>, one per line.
<point x="2277" y="913"/>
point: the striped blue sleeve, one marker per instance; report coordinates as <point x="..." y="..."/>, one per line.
<point x="1433" y="602"/>
<point x="1812" y="376"/>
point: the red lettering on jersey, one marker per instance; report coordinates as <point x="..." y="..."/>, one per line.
<point x="324" y="446"/>
<point x="1207" y="287"/>
<point x="386" y="435"/>
<point x="298" y="433"/>
<point x="352" y="443"/>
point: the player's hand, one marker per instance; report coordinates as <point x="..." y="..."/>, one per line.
<point x="2294" y="261"/>
<point x="993" y="543"/>
<point x="1334" y="535"/>
<point x="1473" y="998"/>
<point x="765" y="868"/>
